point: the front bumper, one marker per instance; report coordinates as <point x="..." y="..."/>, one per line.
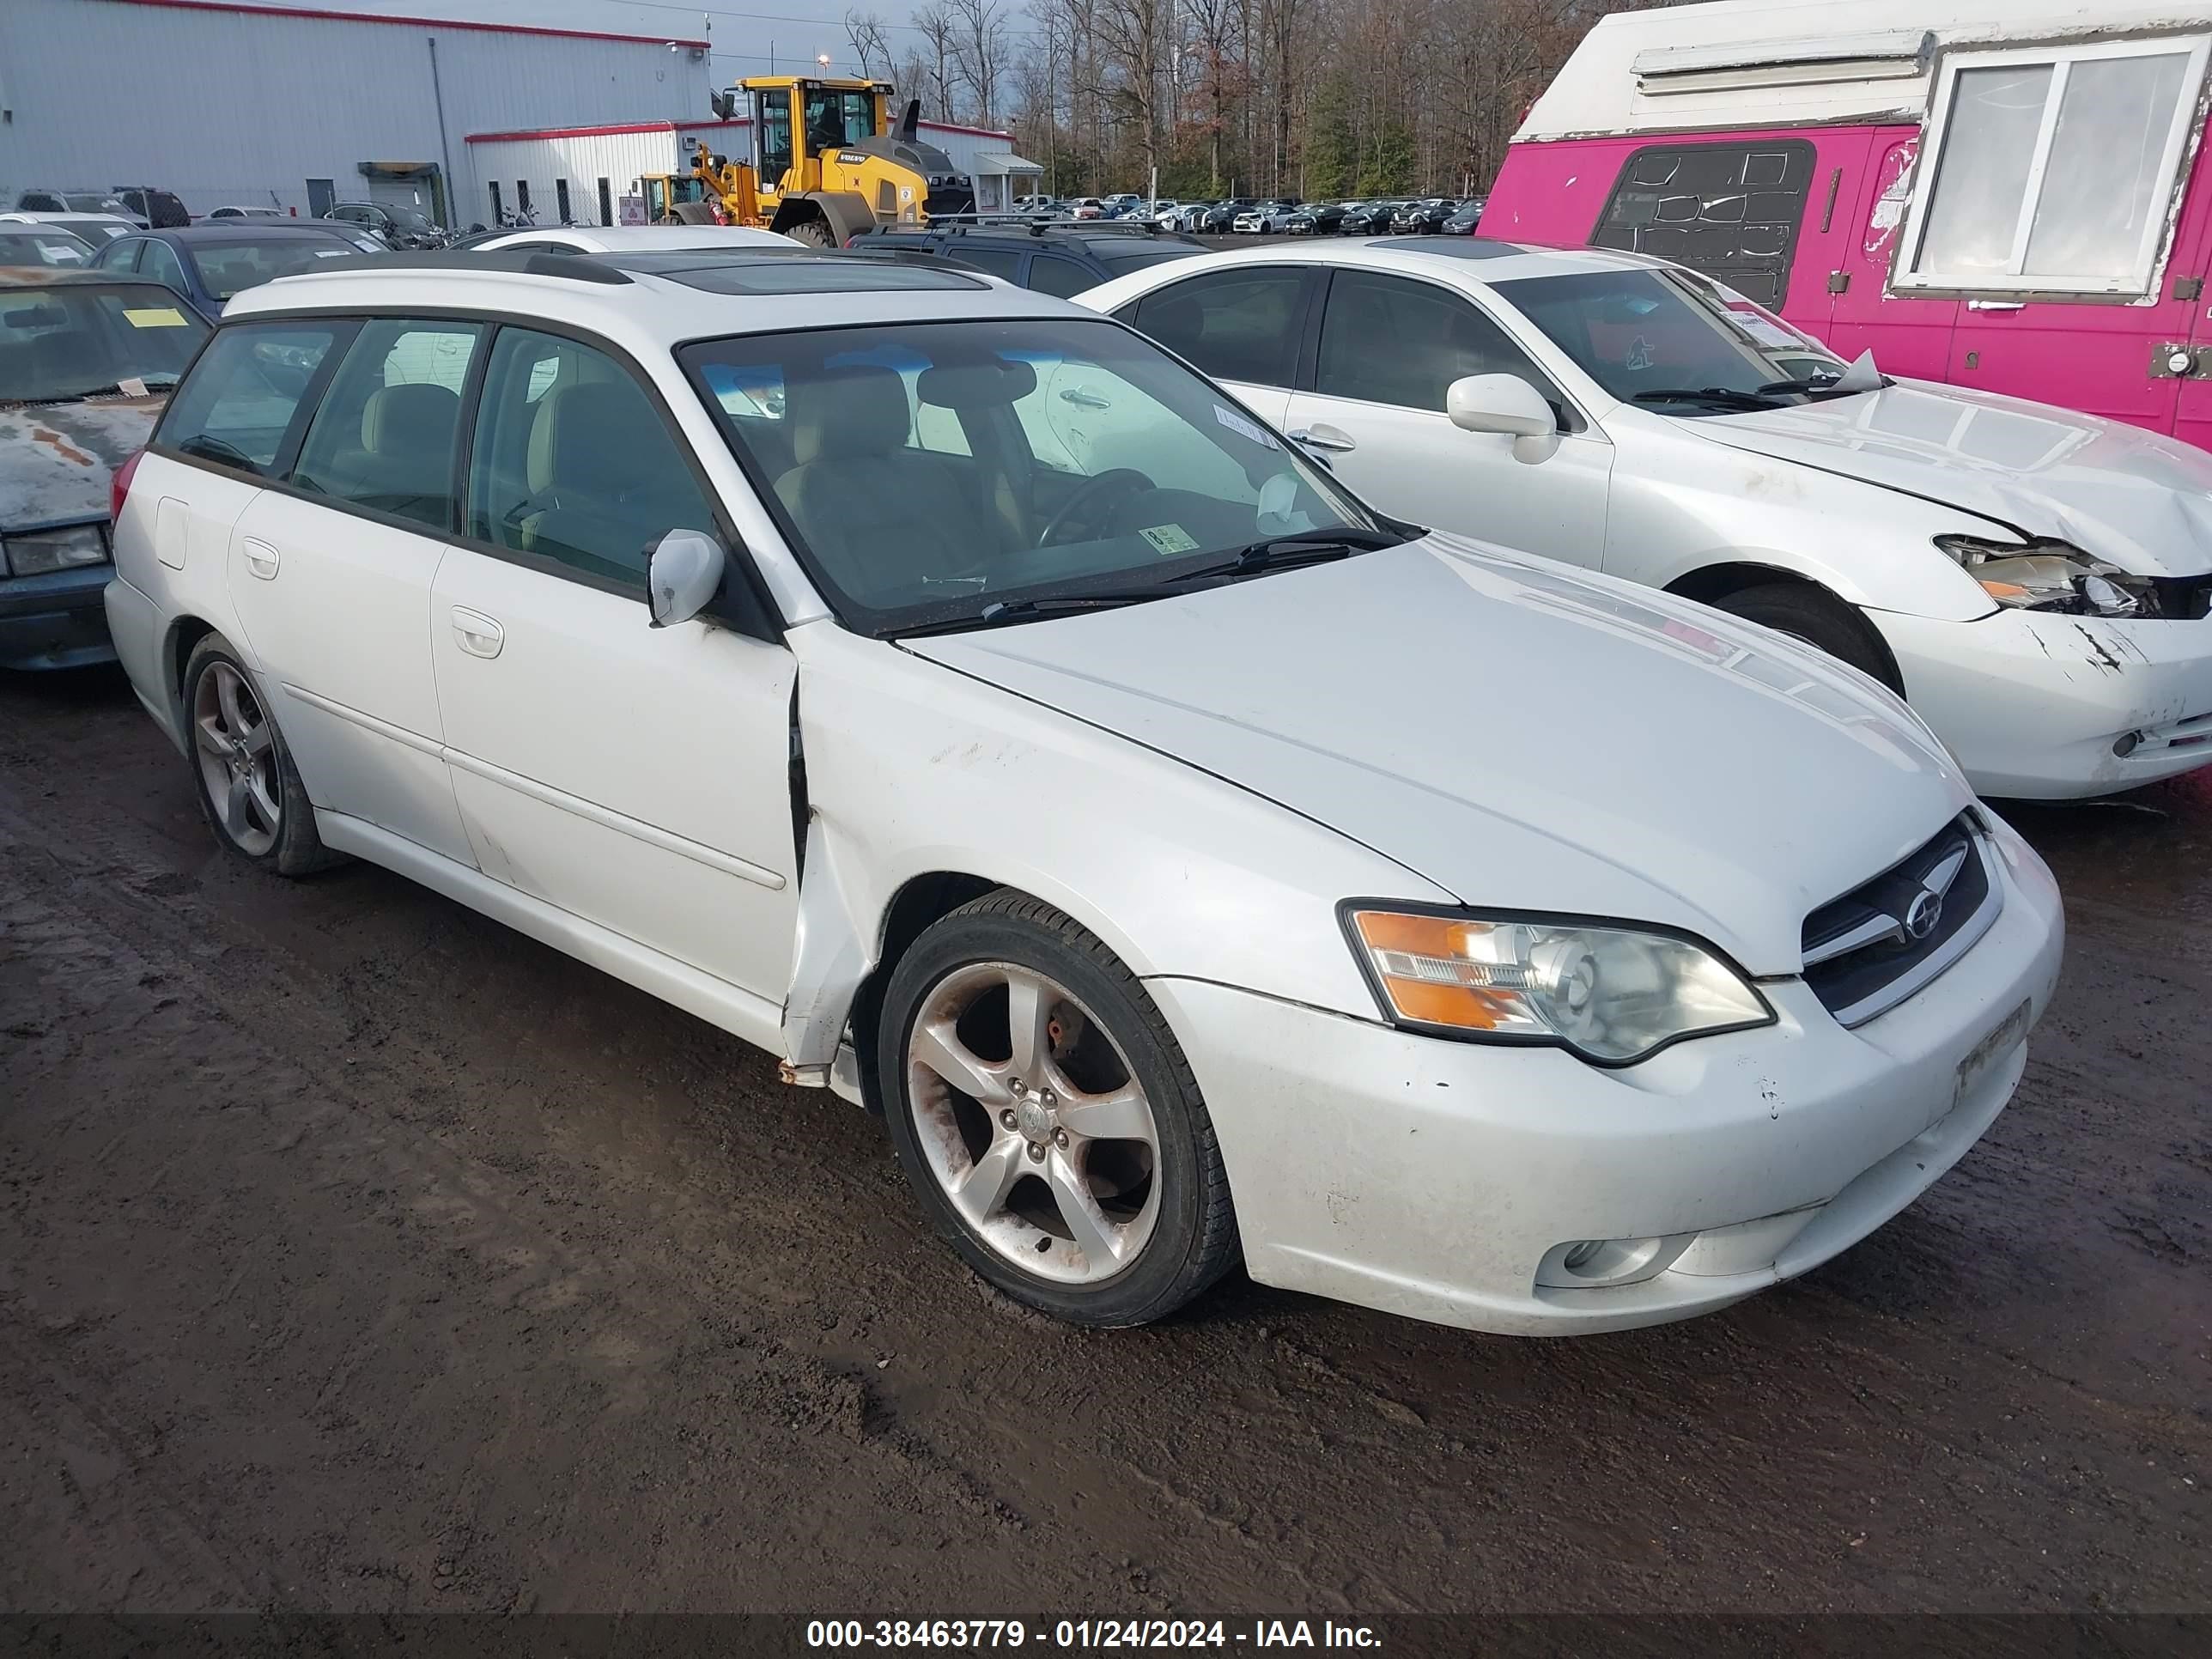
<point x="2037" y="706"/>
<point x="55" y="620"/>
<point x="1439" y="1180"/>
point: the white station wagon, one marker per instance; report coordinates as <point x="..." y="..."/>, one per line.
<point x="2037" y="582"/>
<point x="946" y="689"/>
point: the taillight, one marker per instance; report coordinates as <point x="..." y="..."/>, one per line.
<point x="118" y="486"/>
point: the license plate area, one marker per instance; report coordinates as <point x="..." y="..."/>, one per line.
<point x="2000" y="1041"/>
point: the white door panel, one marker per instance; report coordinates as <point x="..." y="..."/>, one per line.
<point x="636" y="777"/>
<point x="336" y="609"/>
<point x="1416" y="463"/>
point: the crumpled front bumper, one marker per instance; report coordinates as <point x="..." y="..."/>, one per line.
<point x="2045" y="707"/>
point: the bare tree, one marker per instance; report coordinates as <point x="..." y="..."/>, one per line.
<point x="869" y="37"/>
<point x="938" y="55"/>
<point x="979" y="53"/>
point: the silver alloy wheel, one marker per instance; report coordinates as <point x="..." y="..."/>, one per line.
<point x="236" y="748"/>
<point x="1033" y="1122"/>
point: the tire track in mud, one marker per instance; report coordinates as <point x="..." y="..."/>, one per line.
<point x="450" y="1273"/>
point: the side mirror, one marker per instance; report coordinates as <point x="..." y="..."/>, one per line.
<point x="681" y="574"/>
<point x="1505" y="403"/>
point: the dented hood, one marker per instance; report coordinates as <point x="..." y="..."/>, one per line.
<point x="56" y="459"/>
<point x="1520" y="734"/>
<point x="2138" y="499"/>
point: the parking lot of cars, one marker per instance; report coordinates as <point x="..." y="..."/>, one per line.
<point x="678" y="826"/>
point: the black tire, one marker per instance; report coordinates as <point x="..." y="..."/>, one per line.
<point x="1820" y="619"/>
<point x="294" y="849"/>
<point x="1192" y="1238"/>
<point x="811" y="233"/>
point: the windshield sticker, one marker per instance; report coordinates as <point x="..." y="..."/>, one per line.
<point x="154" y="317"/>
<point x="1765" y="333"/>
<point x="1242" y="427"/>
<point x="132" y="387"/>
<point x="1639" y="354"/>
<point x="1168" y="538"/>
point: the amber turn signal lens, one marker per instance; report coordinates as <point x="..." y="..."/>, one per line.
<point x="1426" y="968"/>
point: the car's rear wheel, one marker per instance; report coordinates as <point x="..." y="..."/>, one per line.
<point x="247" y="786"/>
<point x="1047" y="1118"/>
<point x="1809" y="614"/>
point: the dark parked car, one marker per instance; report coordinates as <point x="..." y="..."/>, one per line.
<point x="1425" y="217"/>
<point x="207" y="264"/>
<point x="159" y="209"/>
<point x="1370" y="219"/>
<point x="86" y="363"/>
<point x="1465" y="218"/>
<point x="1060" y="259"/>
<point x="1221" y="217"/>
<point x="1319" y="219"/>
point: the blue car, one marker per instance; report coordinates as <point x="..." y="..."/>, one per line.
<point x="208" y="264"/>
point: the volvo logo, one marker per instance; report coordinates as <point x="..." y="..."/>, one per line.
<point x="1922" y="913"/>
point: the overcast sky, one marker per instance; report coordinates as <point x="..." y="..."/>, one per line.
<point x="740" y="40"/>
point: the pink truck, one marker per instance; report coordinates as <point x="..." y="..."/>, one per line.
<point x="2013" y="198"/>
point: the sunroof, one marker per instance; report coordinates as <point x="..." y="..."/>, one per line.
<point x="770" y="272"/>
<point x="1459" y="248"/>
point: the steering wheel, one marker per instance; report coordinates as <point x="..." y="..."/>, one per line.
<point x="1074" y="509"/>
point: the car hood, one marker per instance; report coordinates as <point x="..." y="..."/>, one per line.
<point x="1521" y="734"/>
<point x="56" y="459"/>
<point x="2139" y="499"/>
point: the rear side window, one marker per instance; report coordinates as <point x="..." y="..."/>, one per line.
<point x="383" y="438"/>
<point x="1730" y="210"/>
<point x="993" y="261"/>
<point x="1063" y="278"/>
<point x="1232" y="324"/>
<point x="573" y="462"/>
<point x="240" y="403"/>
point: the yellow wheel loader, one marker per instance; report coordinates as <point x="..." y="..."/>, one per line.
<point x="826" y="165"/>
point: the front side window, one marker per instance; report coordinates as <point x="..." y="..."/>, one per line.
<point x="1391" y="340"/>
<point x="835" y="118"/>
<point x="74" y="341"/>
<point x="383" y="438"/>
<point x="772" y="133"/>
<point x="1063" y="278"/>
<point x="2051" y="170"/>
<point x="928" y="473"/>
<point x="573" y="462"/>
<point x="158" y="261"/>
<point x="1732" y="211"/>
<point x="1676" y="341"/>
<point x="1234" y="324"/>
<point x="238" y="403"/>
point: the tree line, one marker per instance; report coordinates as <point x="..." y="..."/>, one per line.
<point x="1316" y="99"/>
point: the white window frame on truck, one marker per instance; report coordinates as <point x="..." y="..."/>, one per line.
<point x="2137" y="282"/>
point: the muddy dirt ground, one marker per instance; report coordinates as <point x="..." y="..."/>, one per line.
<point x="358" y="1255"/>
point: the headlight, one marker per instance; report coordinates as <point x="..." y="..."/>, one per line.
<point x="2051" y="575"/>
<point x="1613" y="994"/>
<point x="44" y="550"/>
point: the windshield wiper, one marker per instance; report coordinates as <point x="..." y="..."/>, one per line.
<point x="1299" y="547"/>
<point x="1708" y="394"/>
<point x="1003" y="613"/>
<point x="115" y="389"/>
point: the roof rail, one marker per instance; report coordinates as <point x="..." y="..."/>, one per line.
<point x="576" y="267"/>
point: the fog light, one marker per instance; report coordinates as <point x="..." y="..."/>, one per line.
<point x="1589" y="1264"/>
<point x="2127" y="743"/>
<point x="1579" y="1256"/>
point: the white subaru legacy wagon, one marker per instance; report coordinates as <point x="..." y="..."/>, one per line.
<point x="949" y="691"/>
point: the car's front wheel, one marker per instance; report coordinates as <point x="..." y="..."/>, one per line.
<point x="1047" y="1119"/>
<point x="247" y="786"/>
<point x="1813" y="616"/>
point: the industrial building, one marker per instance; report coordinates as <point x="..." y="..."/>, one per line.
<point x="230" y="103"/>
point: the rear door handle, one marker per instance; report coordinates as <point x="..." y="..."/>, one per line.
<point x="480" y="636"/>
<point x="1324" y="437"/>
<point x="260" y="558"/>
<point x="1996" y="305"/>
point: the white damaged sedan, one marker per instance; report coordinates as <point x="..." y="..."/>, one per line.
<point x="952" y="694"/>
<point x="2036" y="582"/>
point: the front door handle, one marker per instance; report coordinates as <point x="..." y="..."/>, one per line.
<point x="1324" y="437"/>
<point x="480" y="636"/>
<point x="260" y="558"/>
<point x="1997" y="304"/>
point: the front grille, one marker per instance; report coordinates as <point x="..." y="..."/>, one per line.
<point x="1868" y="950"/>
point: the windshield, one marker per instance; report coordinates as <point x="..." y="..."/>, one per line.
<point x="48" y="244"/>
<point x="233" y="265"/>
<point x="927" y="472"/>
<point x="76" y="338"/>
<point x="1645" y="335"/>
<point x="408" y="219"/>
